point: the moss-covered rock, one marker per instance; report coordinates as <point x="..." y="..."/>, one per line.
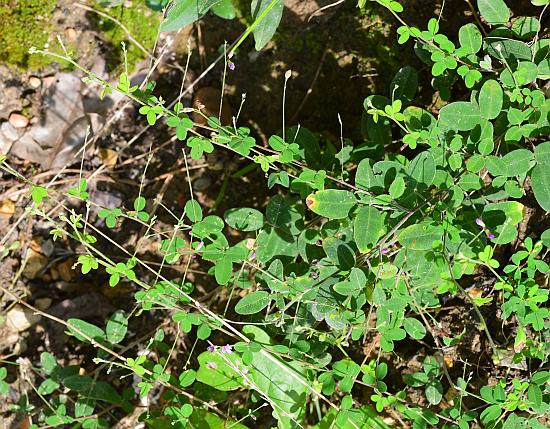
<point x="140" y="21"/>
<point x="24" y="23"/>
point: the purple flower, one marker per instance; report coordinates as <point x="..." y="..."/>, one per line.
<point x="318" y="243"/>
<point x="480" y="223"/>
<point x="231" y="65"/>
<point x="253" y="256"/>
<point x="199" y="246"/>
<point x="227" y="349"/>
<point x="384" y="250"/>
<point x="490" y="235"/>
<point x="211" y="348"/>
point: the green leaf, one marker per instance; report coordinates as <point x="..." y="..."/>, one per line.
<point x="83" y="406"/>
<point x="275" y="243"/>
<point x="215" y="371"/>
<point x="434" y="392"/>
<point x="459" y="116"/>
<point x="542" y="153"/>
<point x="470" y="38"/>
<point x="198" y="146"/>
<point x="223" y="270"/>
<point x="368" y="227"/>
<point x="414" y="328"/>
<point x="508" y="49"/>
<point x="48" y="386"/>
<point x="494" y="11"/>
<point x="193" y="211"/>
<point x="264" y="31"/>
<point x="534" y="394"/>
<point x="526" y="73"/>
<point x="117" y="326"/>
<point x="139" y="203"/>
<point x="47" y="361"/>
<point x="253" y="303"/>
<point x="281" y="214"/>
<point x="379" y="131"/>
<point x="244" y="219"/>
<point x="185" y="12"/>
<point x="397" y="188"/>
<point x="339" y="253"/>
<point x="365" y="177"/>
<point x="92" y="331"/>
<point x="540" y="182"/>
<point x="515" y="163"/>
<point x="422" y="168"/>
<point x="404" y="84"/>
<point x="331" y="203"/>
<point x="284" y="384"/>
<point x="38" y="193"/>
<point x="419" y="236"/>
<point x="202" y="419"/>
<point x="525" y="27"/>
<point x="224" y="9"/>
<point x="490" y="99"/>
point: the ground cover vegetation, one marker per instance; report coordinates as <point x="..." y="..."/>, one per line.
<point x="396" y="281"/>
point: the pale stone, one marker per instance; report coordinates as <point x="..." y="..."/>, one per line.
<point x="36" y="262"/>
<point x="17" y="120"/>
<point x="35" y="82"/>
<point x="21" y="318"/>
<point x="71" y="34"/>
<point x="9" y="131"/>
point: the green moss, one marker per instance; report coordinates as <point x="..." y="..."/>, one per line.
<point x="24" y="23"/>
<point x="141" y="22"/>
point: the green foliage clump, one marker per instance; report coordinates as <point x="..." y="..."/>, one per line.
<point x="360" y="247"/>
<point x="140" y="21"/>
<point x="24" y="24"/>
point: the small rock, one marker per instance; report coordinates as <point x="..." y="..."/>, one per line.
<point x="65" y="286"/>
<point x="21" y="318"/>
<point x="9" y="132"/>
<point x="5" y="144"/>
<point x="10" y="100"/>
<point x="43" y="303"/>
<point x="71" y="34"/>
<point x="7" y="207"/>
<point x="36" y="262"/>
<point x="183" y="40"/>
<point x="17" y="120"/>
<point x="35" y="82"/>
<point x="107" y="157"/>
<point x="208" y="101"/>
<point x="202" y="183"/>
<point x="49" y="81"/>
<point x="66" y="271"/>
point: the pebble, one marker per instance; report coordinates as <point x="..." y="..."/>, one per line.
<point x="202" y="183"/>
<point x="17" y="120"/>
<point x="36" y="262"/>
<point x="35" y="82"/>
<point x="9" y="131"/>
<point x="71" y="34"/>
<point x="207" y="100"/>
<point x="43" y="303"/>
<point x="21" y="318"/>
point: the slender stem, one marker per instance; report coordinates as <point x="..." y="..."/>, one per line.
<point x="250" y="29"/>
